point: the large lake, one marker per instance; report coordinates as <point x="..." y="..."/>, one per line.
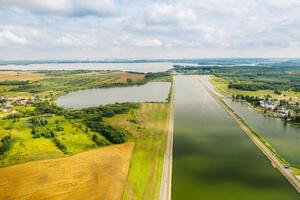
<point x="150" y="92"/>
<point x="213" y="158"/>
<point x="136" y="67"/>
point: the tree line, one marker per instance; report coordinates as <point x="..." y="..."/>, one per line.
<point x="13" y="82"/>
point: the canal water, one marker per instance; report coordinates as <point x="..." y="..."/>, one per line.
<point x="213" y="158"/>
<point x="150" y="92"/>
<point x="285" y="138"/>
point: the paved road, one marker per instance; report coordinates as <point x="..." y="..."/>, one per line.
<point x="166" y="181"/>
<point x="267" y="152"/>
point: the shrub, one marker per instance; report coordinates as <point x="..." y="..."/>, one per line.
<point x="98" y="141"/>
<point x="5" y="144"/>
<point x="59" y="145"/>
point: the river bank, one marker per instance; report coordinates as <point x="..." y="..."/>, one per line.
<point x="277" y="162"/>
<point x="166" y="181"/>
<point x="269" y="103"/>
<point x="212" y="157"/>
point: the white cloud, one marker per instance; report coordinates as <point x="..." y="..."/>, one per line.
<point x="148" y="42"/>
<point x="227" y="24"/>
<point x="29" y="36"/>
<point x="67" y="40"/>
<point x="9" y="38"/>
<point x="65" y="7"/>
<point x="11" y="35"/>
<point x="136" y="41"/>
<point x="172" y="27"/>
<point x="161" y="13"/>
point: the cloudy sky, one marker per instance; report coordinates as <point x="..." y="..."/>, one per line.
<point x="103" y="29"/>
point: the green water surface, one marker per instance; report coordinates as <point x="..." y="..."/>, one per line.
<point x="213" y="158"/>
<point x="285" y="138"/>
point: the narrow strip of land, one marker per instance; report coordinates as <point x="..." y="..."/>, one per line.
<point x="287" y="173"/>
<point x="166" y="181"/>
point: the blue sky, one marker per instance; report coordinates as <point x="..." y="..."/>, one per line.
<point x="103" y="29"/>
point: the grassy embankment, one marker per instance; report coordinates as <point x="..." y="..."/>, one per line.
<point x="147" y="127"/>
<point x="222" y="87"/>
<point x="277" y="161"/>
<point x="288" y="95"/>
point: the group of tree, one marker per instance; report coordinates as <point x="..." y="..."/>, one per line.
<point x="112" y="134"/>
<point x="267" y="76"/>
<point x="257" y="86"/>
<point x="5" y="144"/>
<point x="98" y="141"/>
<point x="97" y="113"/>
<point x="38" y="132"/>
<point x="14" y="82"/>
<point x="296" y="119"/>
<point x="39" y="129"/>
<point x="91" y="117"/>
<point x="154" y="75"/>
<point x="38" y="121"/>
<point x="59" y="145"/>
<point x="255" y="101"/>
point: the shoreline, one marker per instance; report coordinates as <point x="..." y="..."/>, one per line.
<point x="256" y="109"/>
<point x="275" y="161"/>
<point x="166" y="180"/>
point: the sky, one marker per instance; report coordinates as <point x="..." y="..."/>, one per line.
<point x="148" y="29"/>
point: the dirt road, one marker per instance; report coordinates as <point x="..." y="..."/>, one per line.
<point x="166" y="181"/>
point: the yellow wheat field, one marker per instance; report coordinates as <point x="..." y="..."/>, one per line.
<point x="95" y="174"/>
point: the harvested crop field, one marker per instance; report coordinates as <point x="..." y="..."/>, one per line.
<point x="122" y="77"/>
<point x="95" y="174"/>
<point x="20" y="76"/>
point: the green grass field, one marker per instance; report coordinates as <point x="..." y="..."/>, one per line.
<point x="222" y="87"/>
<point x="48" y="85"/>
<point x="296" y="171"/>
<point x="54" y="83"/>
<point x="46" y="132"/>
<point x="24" y="147"/>
<point x="75" y="136"/>
<point x="148" y="129"/>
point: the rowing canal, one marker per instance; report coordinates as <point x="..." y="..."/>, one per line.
<point x="213" y="158"/>
<point x="283" y="137"/>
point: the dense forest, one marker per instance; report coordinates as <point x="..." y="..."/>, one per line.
<point x="252" y="78"/>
